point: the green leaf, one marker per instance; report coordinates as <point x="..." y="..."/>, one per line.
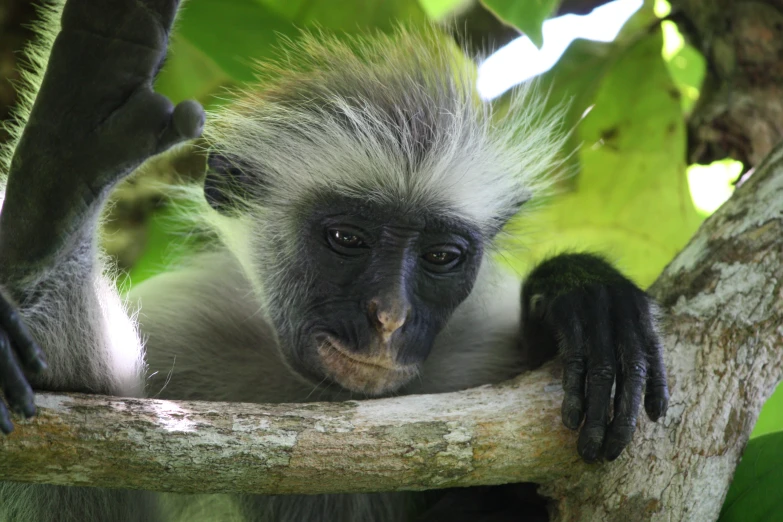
<point x="233" y="33"/>
<point x="575" y="80"/>
<point x="631" y="200"/>
<point x="771" y="416"/>
<point x="639" y="24"/>
<point x="438" y="9"/>
<point x="526" y="15"/>
<point x="348" y="16"/>
<point x="686" y="64"/>
<point x="217" y="42"/>
<point x="581" y="69"/>
<point x="754" y="495"/>
<point x="190" y="74"/>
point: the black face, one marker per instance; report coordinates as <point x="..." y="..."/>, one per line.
<point x="384" y="282"/>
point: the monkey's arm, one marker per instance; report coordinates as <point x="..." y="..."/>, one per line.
<point x="604" y="328"/>
<point x="94" y="120"/>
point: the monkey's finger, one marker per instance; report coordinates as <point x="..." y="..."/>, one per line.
<point x="6" y="426"/>
<point x="600" y="377"/>
<point x="656" y="395"/>
<point x="631" y="375"/>
<point x="574" y="361"/>
<point x="145" y="23"/>
<point x="18" y="393"/>
<point x="150" y="124"/>
<point x="27" y="350"/>
<point x="186" y="123"/>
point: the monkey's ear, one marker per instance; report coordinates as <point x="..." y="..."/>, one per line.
<point x="227" y="183"/>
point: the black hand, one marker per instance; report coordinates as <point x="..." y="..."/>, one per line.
<point x="604" y="328"/>
<point x="18" y="351"/>
<point x="95" y="119"/>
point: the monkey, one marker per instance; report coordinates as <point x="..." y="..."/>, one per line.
<point x="358" y="190"/>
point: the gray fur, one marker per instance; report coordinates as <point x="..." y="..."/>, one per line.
<point x="326" y="118"/>
<point x="36" y="503"/>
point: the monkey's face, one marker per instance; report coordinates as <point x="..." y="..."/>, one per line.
<point x="375" y="286"/>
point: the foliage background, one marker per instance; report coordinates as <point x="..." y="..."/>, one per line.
<point x="627" y="194"/>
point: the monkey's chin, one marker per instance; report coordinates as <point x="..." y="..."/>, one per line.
<point x="371" y="374"/>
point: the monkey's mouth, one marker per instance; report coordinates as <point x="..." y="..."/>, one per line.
<point x="372" y="374"/>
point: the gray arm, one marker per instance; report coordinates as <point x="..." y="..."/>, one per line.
<point x="94" y="120"/>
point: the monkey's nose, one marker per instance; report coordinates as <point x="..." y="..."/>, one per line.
<point x="388" y="315"/>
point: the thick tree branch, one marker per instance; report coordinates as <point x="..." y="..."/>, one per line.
<point x="724" y="300"/>
<point x="481" y="436"/>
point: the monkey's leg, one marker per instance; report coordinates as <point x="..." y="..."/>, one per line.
<point x="94" y="120"/>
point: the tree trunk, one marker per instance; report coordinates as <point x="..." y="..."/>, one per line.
<point x="724" y="304"/>
<point x="740" y="109"/>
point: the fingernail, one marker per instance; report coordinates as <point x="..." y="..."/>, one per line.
<point x="6" y="426"/>
<point x="590" y="451"/>
<point x="655" y="408"/>
<point x="613" y="450"/>
<point x="571" y="418"/>
<point x="29" y="410"/>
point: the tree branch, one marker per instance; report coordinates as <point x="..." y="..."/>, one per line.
<point x="492" y="434"/>
<point x="724" y="300"/>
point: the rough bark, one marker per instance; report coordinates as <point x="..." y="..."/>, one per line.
<point x="481" y="436"/>
<point x="724" y="301"/>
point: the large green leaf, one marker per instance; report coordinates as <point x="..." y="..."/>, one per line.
<point x="217" y="42"/>
<point x="233" y="33"/>
<point x="348" y="15"/>
<point x="579" y="72"/>
<point x="190" y="74"/>
<point x="526" y="15"/>
<point x="574" y="81"/>
<point x="686" y="65"/>
<point x="215" y="45"/>
<point x="631" y="199"/>
<point x="438" y="9"/>
<point x="771" y="416"/>
<point x="754" y="495"/>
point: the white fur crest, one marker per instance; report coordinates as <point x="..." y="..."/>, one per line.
<point x="390" y="119"/>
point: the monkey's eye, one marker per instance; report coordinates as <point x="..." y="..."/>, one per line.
<point x="442" y="259"/>
<point x="342" y="240"/>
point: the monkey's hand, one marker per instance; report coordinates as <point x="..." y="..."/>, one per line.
<point x="603" y="327"/>
<point x="95" y="119"/>
<point x="18" y="351"/>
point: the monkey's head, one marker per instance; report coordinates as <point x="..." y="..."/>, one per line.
<point x="361" y="186"/>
